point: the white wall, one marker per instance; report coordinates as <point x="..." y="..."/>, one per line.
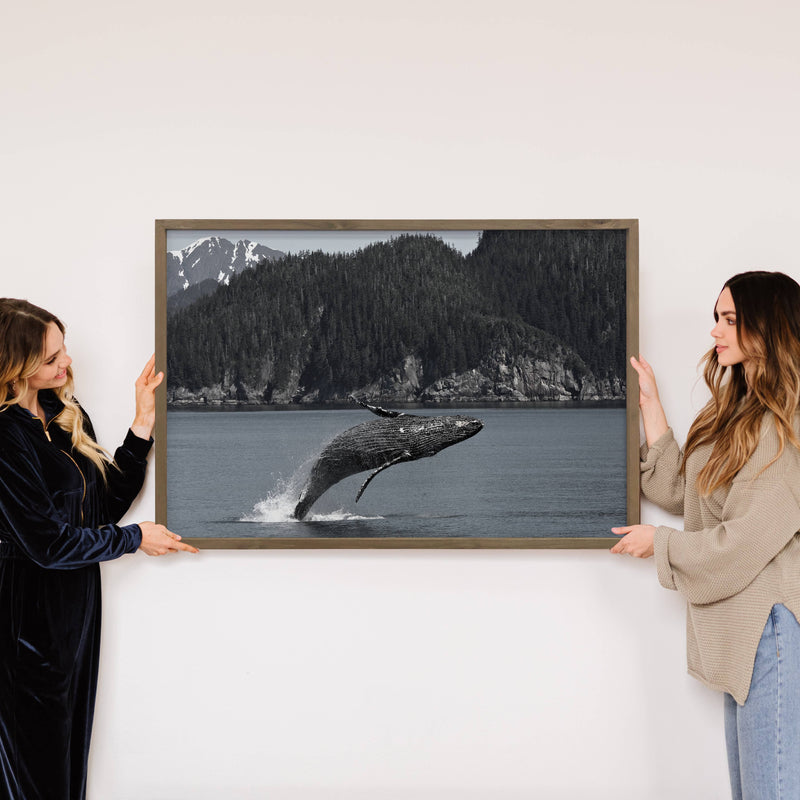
<point x="392" y="675"/>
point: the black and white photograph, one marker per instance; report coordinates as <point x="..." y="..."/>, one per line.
<point x="442" y="384"/>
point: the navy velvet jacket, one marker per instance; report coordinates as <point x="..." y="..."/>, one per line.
<point x="55" y="508"/>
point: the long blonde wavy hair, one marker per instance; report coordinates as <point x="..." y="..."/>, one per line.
<point x="768" y="331"/>
<point x="23" y="329"/>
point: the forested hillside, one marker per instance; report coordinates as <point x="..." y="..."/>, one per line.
<point x="568" y="283"/>
<point x="401" y="317"/>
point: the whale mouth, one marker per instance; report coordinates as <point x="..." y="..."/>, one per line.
<point x="467" y="426"/>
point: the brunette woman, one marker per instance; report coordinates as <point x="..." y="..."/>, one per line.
<point x="61" y="497"/>
<point x="737" y="483"/>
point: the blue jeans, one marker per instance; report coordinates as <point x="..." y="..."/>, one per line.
<point x="763" y="735"/>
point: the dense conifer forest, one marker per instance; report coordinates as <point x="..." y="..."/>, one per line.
<point x="342" y="321"/>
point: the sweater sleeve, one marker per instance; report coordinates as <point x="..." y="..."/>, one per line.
<point x="760" y="516"/>
<point x="661" y="477"/>
<point x="32" y="523"/>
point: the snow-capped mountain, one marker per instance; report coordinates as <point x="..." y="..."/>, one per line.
<point x="213" y="259"/>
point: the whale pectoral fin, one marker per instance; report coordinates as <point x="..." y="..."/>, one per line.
<point x="404" y="456"/>
<point x="381" y="412"/>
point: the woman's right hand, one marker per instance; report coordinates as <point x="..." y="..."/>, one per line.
<point x="653" y="417"/>
<point x="146" y="385"/>
<point x="158" y="540"/>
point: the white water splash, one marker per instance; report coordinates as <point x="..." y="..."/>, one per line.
<point x="279" y="505"/>
<point x="338" y="516"/>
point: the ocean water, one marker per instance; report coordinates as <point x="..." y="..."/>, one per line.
<point x="531" y="472"/>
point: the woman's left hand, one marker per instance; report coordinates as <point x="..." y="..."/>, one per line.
<point x="146" y="385"/>
<point x="637" y="540"/>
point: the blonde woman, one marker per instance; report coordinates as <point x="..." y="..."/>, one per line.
<point x="61" y="497"/>
<point x="737" y="483"/>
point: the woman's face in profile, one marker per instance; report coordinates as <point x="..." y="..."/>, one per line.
<point x="729" y="351"/>
<point x="53" y="372"/>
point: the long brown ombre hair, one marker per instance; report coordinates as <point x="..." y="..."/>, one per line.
<point x="23" y="329"/>
<point x="768" y="331"/>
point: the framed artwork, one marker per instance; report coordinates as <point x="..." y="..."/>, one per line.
<point x="397" y="383"/>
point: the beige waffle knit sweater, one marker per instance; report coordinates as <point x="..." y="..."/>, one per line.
<point x="738" y="556"/>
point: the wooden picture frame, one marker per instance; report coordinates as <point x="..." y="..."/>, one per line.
<point x="424" y="318"/>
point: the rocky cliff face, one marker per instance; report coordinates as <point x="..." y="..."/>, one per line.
<point x="500" y="378"/>
<point x="507" y="379"/>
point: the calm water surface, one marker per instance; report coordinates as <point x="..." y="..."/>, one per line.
<point x="540" y="472"/>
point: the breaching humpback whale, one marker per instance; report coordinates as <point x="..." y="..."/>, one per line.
<point x="378" y="444"/>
